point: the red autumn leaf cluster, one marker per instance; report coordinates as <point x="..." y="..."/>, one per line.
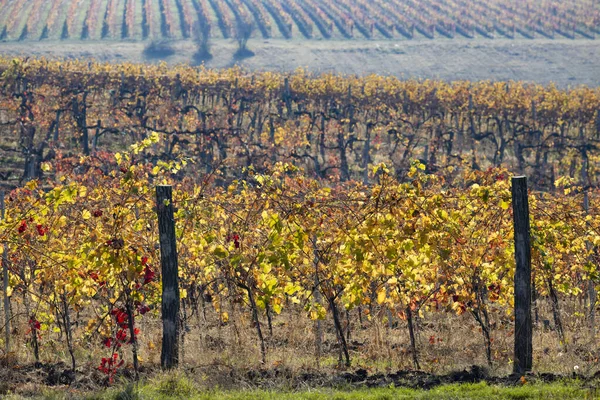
<point x="149" y="274"/>
<point x="42" y="230"/>
<point x="235" y="238"/>
<point x="22" y="226"/>
<point x="109" y="366"/>
<point x="143" y="309"/>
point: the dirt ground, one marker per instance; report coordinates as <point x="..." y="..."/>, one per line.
<point x="564" y="62"/>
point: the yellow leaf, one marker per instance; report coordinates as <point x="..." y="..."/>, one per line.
<point x="46" y="167"/>
<point x="31" y="185"/>
<point x="381" y="296"/>
<point x="314" y="315"/>
<point x="85" y="214"/>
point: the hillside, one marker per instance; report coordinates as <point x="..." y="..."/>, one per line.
<point x="305" y="19"/>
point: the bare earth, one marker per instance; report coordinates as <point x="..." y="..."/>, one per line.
<point x="564" y="62"/>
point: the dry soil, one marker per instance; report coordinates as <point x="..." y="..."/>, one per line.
<point x="564" y="62"/>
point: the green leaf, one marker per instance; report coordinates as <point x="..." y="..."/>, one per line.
<point x="220" y="252"/>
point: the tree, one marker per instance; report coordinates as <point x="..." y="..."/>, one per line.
<point x="202" y="39"/>
<point x="243" y="32"/>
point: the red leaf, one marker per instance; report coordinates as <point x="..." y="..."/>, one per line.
<point x="148" y="275"/>
<point x="143" y="309"/>
<point x="121" y="317"/>
<point x="121" y="335"/>
<point x="34" y="324"/>
<point x="41" y="229"/>
<point x="23" y="226"/>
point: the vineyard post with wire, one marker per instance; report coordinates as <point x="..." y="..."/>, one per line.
<point x="591" y="294"/>
<point x="523" y="348"/>
<point x="591" y="285"/>
<point x="5" y="285"/>
<point x="169" y="357"/>
<point x="287" y="97"/>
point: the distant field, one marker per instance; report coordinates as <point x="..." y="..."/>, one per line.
<point x="562" y="61"/>
<point x="311" y="19"/>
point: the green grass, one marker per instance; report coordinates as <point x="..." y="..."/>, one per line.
<point x="176" y="387"/>
<point x="476" y="391"/>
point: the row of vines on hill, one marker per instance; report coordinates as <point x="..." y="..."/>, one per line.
<point x="94" y="19"/>
<point x="82" y="249"/>
<point x="334" y="127"/>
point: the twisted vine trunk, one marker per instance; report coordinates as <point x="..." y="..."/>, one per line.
<point x="263" y="350"/>
<point x="68" y="330"/>
<point x="413" y="341"/>
<point x="340" y="331"/>
<point x="484" y="324"/>
<point x="556" y="313"/>
<point x="134" y="343"/>
<point x="32" y="328"/>
<point x="269" y="318"/>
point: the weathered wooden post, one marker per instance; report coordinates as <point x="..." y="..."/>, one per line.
<point x="523" y="357"/>
<point x="5" y="284"/>
<point x="591" y="294"/>
<point x="287" y="97"/>
<point x="169" y="357"/>
<point x="591" y="289"/>
<point x="318" y="299"/>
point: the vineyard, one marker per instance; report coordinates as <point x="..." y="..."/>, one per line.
<point x="322" y="220"/>
<point x="304" y="19"/>
<point x="334" y="127"/>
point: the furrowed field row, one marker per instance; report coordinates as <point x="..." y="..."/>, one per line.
<point x="296" y="18"/>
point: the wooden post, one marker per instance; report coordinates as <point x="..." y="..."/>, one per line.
<point x="84" y="129"/>
<point x="592" y="295"/>
<point x="523" y="329"/>
<point x="5" y="284"/>
<point x="318" y="299"/>
<point x="287" y="97"/>
<point x="169" y="357"/>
